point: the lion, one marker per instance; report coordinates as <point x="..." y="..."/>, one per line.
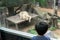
<point x="25" y="16"/>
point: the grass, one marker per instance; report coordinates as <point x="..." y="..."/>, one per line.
<point x="52" y="28"/>
<point x="32" y="31"/>
<point x="58" y="20"/>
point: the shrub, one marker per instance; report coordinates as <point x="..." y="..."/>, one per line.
<point x="32" y="31"/>
<point x="52" y="28"/>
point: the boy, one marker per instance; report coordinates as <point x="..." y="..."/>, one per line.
<point x="41" y="29"/>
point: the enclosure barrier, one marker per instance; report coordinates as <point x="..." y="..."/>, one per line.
<point x="10" y="34"/>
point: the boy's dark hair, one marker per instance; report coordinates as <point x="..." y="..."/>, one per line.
<point x="41" y="28"/>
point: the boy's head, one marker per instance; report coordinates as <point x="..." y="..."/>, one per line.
<point x="41" y="28"/>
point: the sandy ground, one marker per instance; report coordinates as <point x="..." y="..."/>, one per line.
<point x="57" y="32"/>
<point x="49" y="10"/>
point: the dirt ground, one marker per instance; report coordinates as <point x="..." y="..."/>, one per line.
<point x="57" y="32"/>
<point x="50" y="10"/>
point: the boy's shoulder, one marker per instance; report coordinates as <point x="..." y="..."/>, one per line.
<point x="40" y="37"/>
<point x="47" y="37"/>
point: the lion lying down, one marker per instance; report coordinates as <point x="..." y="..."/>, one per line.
<point x="25" y="16"/>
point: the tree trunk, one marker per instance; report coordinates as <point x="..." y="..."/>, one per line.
<point x="56" y="22"/>
<point x="11" y="11"/>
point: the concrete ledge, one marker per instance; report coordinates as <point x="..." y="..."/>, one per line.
<point x="16" y="32"/>
<point x="22" y="34"/>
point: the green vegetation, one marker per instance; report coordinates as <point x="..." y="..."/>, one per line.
<point x="52" y="28"/>
<point x="11" y="3"/>
<point x="43" y="3"/>
<point x="58" y="20"/>
<point x="32" y="31"/>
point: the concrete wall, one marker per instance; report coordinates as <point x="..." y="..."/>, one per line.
<point x="10" y="34"/>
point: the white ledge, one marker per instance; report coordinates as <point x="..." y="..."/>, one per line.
<point x="16" y="32"/>
<point x="20" y="33"/>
